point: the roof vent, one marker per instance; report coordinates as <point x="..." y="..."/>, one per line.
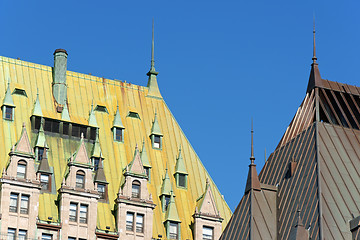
<point x="21" y="92"/>
<point x="100" y="108"/>
<point x="133" y="115"/>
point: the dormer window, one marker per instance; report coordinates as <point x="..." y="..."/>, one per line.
<point x="181" y="180"/>
<point x="8" y="113"/>
<point x="135" y="190"/>
<point x="173" y="230"/>
<point x="118" y="134"/>
<point x="39" y="153"/>
<point x="208" y="233"/>
<point x="147" y="172"/>
<point x="96" y="161"/>
<point x="21" y="169"/>
<point x="80" y="179"/>
<point x="102" y="190"/>
<point x="156" y="141"/>
<point x="45" y="182"/>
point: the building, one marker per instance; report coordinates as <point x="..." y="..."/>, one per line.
<point x="84" y="157"/>
<point x="309" y="186"/>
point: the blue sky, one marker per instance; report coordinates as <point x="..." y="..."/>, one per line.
<point x="220" y="63"/>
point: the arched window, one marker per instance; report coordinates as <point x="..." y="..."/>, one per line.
<point x="21" y="169"/>
<point x="135" y="190"/>
<point x="80" y="179"/>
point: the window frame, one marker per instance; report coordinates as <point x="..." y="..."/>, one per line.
<point x="103" y="194"/>
<point x="157" y="142"/>
<point x="83" y="219"/>
<point x="8" y="115"/>
<point x="73" y="212"/>
<point x="39" y="153"/>
<point x="47" y="236"/>
<point x="13" y="231"/>
<point x="118" y="134"/>
<point x="13" y="208"/>
<point x="24" y="234"/>
<point x="206" y="236"/>
<point x="139" y="226"/>
<point x="23" y="164"/>
<point x="46" y="184"/>
<point x="130" y="224"/>
<point x="79" y="184"/>
<point x="26" y="200"/>
<point x="135" y="194"/>
<point x="171" y="234"/>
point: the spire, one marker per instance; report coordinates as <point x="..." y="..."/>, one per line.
<point x="92" y="118"/>
<point x="117" y="119"/>
<point x="65" y="113"/>
<point x="253" y="182"/>
<point x="96" y="151"/>
<point x="37" y="108"/>
<point x="135" y="166"/>
<point x="144" y="157"/>
<point x="166" y="188"/>
<point x="155" y="130"/>
<point x="41" y="140"/>
<point x="314" y="45"/>
<point x="180" y="165"/>
<point x="315" y="77"/>
<point x="252" y="158"/>
<point x="44" y="164"/>
<point x="152" y="82"/>
<point x="8" y="100"/>
<point x="299" y="232"/>
<point x="171" y="211"/>
<point x="100" y="174"/>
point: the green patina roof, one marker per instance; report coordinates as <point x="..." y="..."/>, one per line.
<point x="117" y="119"/>
<point x="171" y="211"/>
<point x="96" y="151"/>
<point x="41" y="140"/>
<point x="65" y="113"/>
<point x="166" y="187"/>
<point x="144" y="157"/>
<point x="180" y="165"/>
<point x="155" y="130"/>
<point x="44" y="164"/>
<point x="92" y="118"/>
<point x="8" y="100"/>
<point x="37" y="108"/>
<point x="100" y="174"/>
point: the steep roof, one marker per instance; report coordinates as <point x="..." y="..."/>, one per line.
<point x="82" y="89"/>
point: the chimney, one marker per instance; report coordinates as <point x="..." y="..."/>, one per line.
<point x="59" y="76"/>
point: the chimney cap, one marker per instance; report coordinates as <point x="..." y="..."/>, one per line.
<point x="60" y="50"/>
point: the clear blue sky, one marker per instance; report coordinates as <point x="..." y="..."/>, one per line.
<point x="220" y="62"/>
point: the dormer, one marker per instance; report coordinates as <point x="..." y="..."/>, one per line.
<point x="44" y="173"/>
<point x="96" y="153"/>
<point x="166" y="190"/>
<point x="180" y="172"/>
<point x="8" y="106"/>
<point x="156" y="136"/>
<point x="100" y="182"/>
<point x="118" y="128"/>
<point x="21" y="166"/>
<point x="79" y="175"/>
<point x="134" y="203"/>
<point x="145" y="161"/>
<point x="40" y="144"/>
<point x="172" y="220"/>
<point x="207" y="219"/>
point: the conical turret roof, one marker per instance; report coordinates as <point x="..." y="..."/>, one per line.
<point x="37" y="108"/>
<point x="166" y="187"/>
<point x="100" y="174"/>
<point x="171" y="211"/>
<point x="44" y="164"/>
<point x="180" y="165"/>
<point x="8" y="100"/>
<point x="117" y="119"/>
<point x="155" y="129"/>
<point x="144" y="157"/>
<point x="92" y="117"/>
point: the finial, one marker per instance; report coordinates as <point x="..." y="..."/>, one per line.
<point x="207" y="181"/>
<point x="23" y="125"/>
<point x="314" y="45"/>
<point x="136" y="147"/>
<point x="252" y="158"/>
<point x="152" y="49"/>
<point x="82" y="136"/>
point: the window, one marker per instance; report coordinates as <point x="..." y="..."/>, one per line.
<point x="135" y="192"/>
<point x="182" y="180"/>
<point x="167" y="200"/>
<point x="80" y="179"/>
<point x="157" y="141"/>
<point x="71" y="238"/>
<point x="22" y="234"/>
<point x="139" y="223"/>
<point x="40" y="153"/>
<point x="21" y="92"/>
<point x="96" y="161"/>
<point x="208" y="233"/>
<point x="45" y="236"/>
<point x="129" y="221"/>
<point x="173" y="230"/>
<point x="118" y="134"/>
<point x="21" y="169"/>
<point x="100" y="108"/>
<point x="102" y="190"/>
<point x="24" y="206"/>
<point x="11" y="234"/>
<point x="147" y="172"/>
<point x="133" y="115"/>
<point x="73" y="212"/>
<point x="45" y="181"/>
<point x="83" y="213"/>
<point x="13" y="202"/>
<point x="8" y="115"/>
